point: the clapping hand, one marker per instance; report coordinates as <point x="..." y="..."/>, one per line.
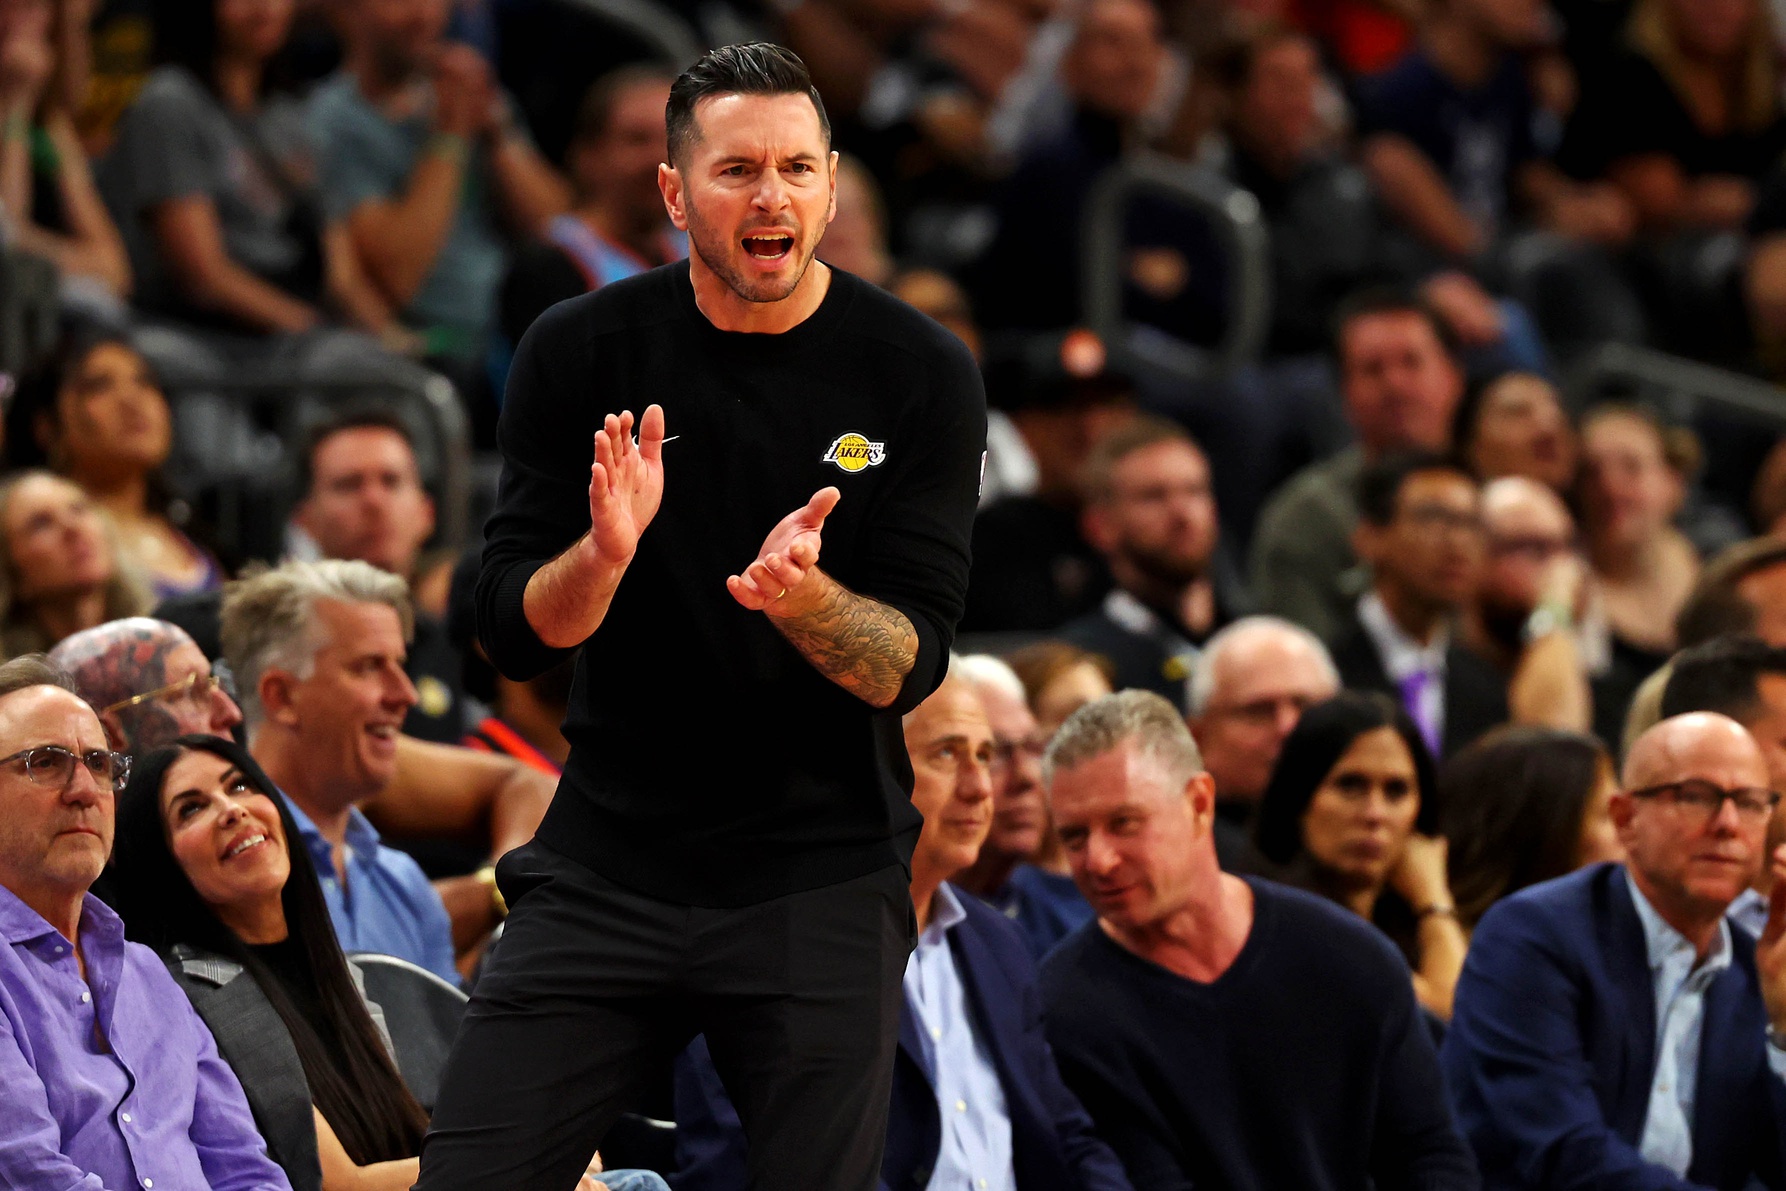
<point x="773" y="582"/>
<point x="626" y="483"/>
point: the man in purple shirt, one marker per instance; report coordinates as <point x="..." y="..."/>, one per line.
<point x="108" y="1079"/>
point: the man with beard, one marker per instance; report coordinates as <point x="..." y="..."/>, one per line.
<point x="741" y="872"/>
<point x="1152" y="515"/>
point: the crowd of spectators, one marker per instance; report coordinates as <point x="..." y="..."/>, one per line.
<point x="1361" y="762"/>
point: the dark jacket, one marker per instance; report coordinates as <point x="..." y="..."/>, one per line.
<point x="1552" y="1047"/>
<point x="1053" y="1147"/>
<point x="1475" y="695"/>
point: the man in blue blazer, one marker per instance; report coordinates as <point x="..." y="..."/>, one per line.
<point x="1611" y="1030"/>
<point x="977" y="1100"/>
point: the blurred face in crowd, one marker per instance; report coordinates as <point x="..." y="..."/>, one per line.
<point x="226" y="836"/>
<point x="1766" y="725"/>
<point x="252" y="29"/>
<point x="54" y="840"/>
<point x="1691" y="858"/>
<point x="366" y="499"/>
<point x="1764" y="590"/>
<point x="1275" y="114"/>
<point x="1158" y="519"/>
<point x="937" y="295"/>
<point x="1115" y="63"/>
<point x="620" y="165"/>
<point x="951" y="747"/>
<point x="26" y="20"/>
<point x="1067" y="692"/>
<point x="1401" y="386"/>
<point x="402" y="35"/>
<point x="1521" y="430"/>
<point x="1712" y="29"/>
<point x="1264" y="681"/>
<point x="348" y="711"/>
<point x="856" y="241"/>
<point x="1528" y="528"/>
<point x="1135" y="837"/>
<point x="1019" y="809"/>
<point x="755" y="191"/>
<point x="56" y="542"/>
<point x="1629" y="492"/>
<point x="1357" y="824"/>
<point x="112" y="421"/>
<point x="1430" y="553"/>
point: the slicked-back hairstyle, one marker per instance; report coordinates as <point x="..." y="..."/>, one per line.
<point x="32" y="669"/>
<point x="1721" y="675"/>
<point x="1149" y="722"/>
<point x="1136" y="434"/>
<point x="752" y="68"/>
<point x="1374" y="300"/>
<point x="365" y="417"/>
<point x="269" y="617"/>
<point x="1380" y="484"/>
<point x="1201" y="687"/>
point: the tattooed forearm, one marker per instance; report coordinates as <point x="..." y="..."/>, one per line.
<point x="862" y="645"/>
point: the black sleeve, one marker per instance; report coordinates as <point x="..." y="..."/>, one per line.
<point x="541" y="276"/>
<point x="1418" y="1146"/>
<point x="917" y="543"/>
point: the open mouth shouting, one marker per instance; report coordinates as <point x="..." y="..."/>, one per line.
<point x="770" y="245"/>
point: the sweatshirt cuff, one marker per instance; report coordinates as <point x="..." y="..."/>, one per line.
<point x="514" y="648"/>
<point x="929" y="667"/>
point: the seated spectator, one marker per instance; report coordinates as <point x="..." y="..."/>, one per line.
<point x="1523" y="805"/>
<point x="49" y="204"/>
<point x="976" y="1095"/>
<point x="1611" y="1028"/>
<point x="107" y="1075"/>
<point x="1352" y="813"/>
<point x="1224" y="1031"/>
<point x="318" y="650"/>
<point x="1059" y="679"/>
<point x="1741" y="590"/>
<point x="149" y="682"/>
<point x="1744" y="678"/>
<point x="1248" y="687"/>
<point x="1045" y="905"/>
<point x="1515" y="425"/>
<point x="96" y="413"/>
<point x="59" y="566"/>
<point x="421" y="152"/>
<point x="617" y="227"/>
<point x="856" y="239"/>
<point x="213" y="183"/>
<point x="1420" y="529"/>
<point x="1633" y="484"/>
<point x="1151" y="514"/>
<point x="1401" y="384"/>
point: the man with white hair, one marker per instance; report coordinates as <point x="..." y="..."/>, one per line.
<point x="1045" y="906"/>
<point x="318" y="650"/>
<point x="1248" y="688"/>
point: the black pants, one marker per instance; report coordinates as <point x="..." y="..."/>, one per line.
<point x="593" y="985"/>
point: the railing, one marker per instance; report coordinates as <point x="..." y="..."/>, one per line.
<point x="1680" y="389"/>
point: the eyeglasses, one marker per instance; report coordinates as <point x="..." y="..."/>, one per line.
<point x="1005" y="750"/>
<point x="1263" y="713"/>
<point x="1536" y="549"/>
<point x="193" y="686"/>
<point x="1437" y="519"/>
<point x="1701" y="800"/>
<point x="53" y="766"/>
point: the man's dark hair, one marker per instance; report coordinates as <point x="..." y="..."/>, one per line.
<point x="596" y="110"/>
<point x="1381" y="482"/>
<point x="29" y="670"/>
<point x="1721" y="675"/>
<point x="364" y="418"/>
<point x="1387" y="299"/>
<point x="1716" y="608"/>
<point x="754" y="68"/>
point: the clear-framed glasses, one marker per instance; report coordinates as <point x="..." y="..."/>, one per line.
<point x="1700" y="800"/>
<point x="196" y="687"/>
<point x="1005" y="750"/>
<point x="53" y="766"/>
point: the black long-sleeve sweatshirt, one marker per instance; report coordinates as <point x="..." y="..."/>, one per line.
<point x="710" y="763"/>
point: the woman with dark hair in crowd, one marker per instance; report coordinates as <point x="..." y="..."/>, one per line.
<point x="209" y="870"/>
<point x="1515" y="425"/>
<point x="95" y="413"/>
<point x="213" y="183"/>
<point x="1523" y="805"/>
<point x="60" y="571"/>
<point x="1352" y="813"/>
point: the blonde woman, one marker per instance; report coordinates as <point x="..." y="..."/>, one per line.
<point x="60" y="570"/>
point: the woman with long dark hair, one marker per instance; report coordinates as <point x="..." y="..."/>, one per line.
<point x="1352" y="813"/>
<point x="1524" y="805"/>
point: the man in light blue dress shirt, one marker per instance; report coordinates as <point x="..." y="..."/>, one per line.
<point x="1611" y="1029"/>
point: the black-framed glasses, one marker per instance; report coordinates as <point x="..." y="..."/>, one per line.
<point x="194" y="686"/>
<point x="1005" y="749"/>
<point x="1703" y="800"/>
<point x="52" y="765"/>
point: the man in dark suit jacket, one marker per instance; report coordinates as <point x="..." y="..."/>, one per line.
<point x="973" y="1063"/>
<point x="1611" y="1030"/>
<point x="1420" y="529"/>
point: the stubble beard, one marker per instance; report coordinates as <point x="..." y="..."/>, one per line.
<point x="715" y="253"/>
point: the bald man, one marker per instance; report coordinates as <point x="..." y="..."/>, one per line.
<point x="1611" y="1030"/>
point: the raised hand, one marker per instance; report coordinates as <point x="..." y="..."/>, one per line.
<point x="773" y="582"/>
<point x="1421" y="877"/>
<point x="626" y="483"/>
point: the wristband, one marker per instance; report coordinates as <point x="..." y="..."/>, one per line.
<point x="1545" y="619"/>
<point x="487" y="876"/>
<point x="1436" y="910"/>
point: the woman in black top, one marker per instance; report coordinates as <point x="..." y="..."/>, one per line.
<point x="1352" y="813"/>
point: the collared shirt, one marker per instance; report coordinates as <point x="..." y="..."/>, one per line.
<point x="976" y="1149"/>
<point x="387" y="904"/>
<point x="1403" y="657"/>
<point x="1749" y="911"/>
<point x="113" y="1081"/>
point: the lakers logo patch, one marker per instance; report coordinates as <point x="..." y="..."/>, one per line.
<point x="852" y="452"/>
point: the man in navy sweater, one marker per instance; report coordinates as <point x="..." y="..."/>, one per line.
<point x="1611" y="1029"/>
<point x="977" y="1100"/>
<point x="1221" y="1031"/>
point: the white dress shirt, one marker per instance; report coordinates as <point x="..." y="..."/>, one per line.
<point x="1403" y="657"/>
